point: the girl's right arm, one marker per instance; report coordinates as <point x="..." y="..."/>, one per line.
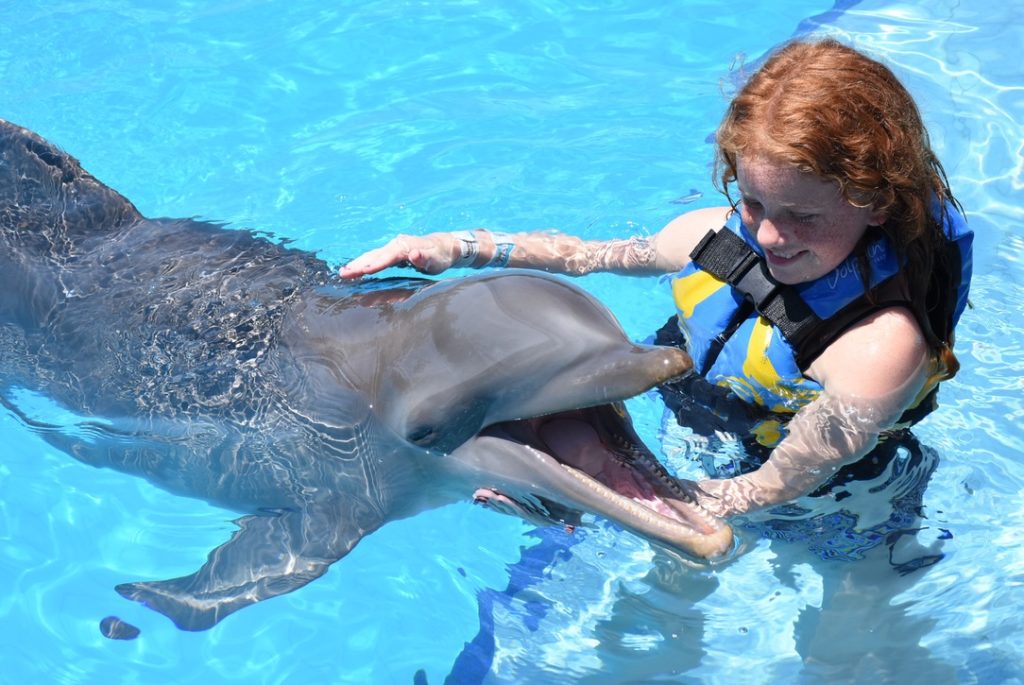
<point x="665" y="252"/>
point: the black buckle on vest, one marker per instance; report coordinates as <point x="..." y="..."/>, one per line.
<point x="751" y="279"/>
<point x="725" y="255"/>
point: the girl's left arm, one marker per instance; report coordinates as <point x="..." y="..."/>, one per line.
<point x="870" y="375"/>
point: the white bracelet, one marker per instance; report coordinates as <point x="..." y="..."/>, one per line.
<point x="469" y="248"/>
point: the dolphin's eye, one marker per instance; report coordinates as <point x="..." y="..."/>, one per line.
<point x="424" y="435"/>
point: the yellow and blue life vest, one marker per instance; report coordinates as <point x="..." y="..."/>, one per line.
<point x="756" y="337"/>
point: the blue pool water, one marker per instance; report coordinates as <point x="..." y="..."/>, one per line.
<point x="336" y="125"/>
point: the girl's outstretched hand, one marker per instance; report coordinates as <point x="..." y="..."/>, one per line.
<point x="429" y="254"/>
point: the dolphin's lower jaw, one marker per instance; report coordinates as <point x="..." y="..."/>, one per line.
<point x="683" y="525"/>
<point x="592" y="460"/>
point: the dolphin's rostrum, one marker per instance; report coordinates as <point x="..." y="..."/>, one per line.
<point x="222" y="365"/>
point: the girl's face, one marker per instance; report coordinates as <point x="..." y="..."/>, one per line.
<point x="805" y="225"/>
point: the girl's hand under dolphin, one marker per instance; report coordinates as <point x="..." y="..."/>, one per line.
<point x="430" y="254"/>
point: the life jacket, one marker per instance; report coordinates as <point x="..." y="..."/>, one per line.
<point x="754" y="336"/>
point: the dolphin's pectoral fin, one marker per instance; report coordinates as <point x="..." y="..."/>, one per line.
<point x="270" y="555"/>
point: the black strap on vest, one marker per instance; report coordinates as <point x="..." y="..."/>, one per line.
<point x="728" y="257"/>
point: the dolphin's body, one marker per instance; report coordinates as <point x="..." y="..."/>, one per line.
<point x="221" y="365"/>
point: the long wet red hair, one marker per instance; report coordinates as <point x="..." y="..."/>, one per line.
<point x="830" y="110"/>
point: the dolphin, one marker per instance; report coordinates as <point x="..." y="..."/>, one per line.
<point x="221" y="364"/>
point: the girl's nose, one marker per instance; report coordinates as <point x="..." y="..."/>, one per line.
<point x="770" y="234"/>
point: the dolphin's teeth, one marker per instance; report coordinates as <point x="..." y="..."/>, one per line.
<point x="656" y="468"/>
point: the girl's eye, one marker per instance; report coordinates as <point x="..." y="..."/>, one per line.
<point x="804" y="218"/>
<point x="752" y="205"/>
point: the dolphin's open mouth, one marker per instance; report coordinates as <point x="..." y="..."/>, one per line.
<point x="604" y="468"/>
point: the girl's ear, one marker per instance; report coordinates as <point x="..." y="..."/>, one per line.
<point x="878" y="217"/>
